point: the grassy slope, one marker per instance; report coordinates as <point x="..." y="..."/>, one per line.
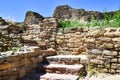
<point x="106" y="22"/>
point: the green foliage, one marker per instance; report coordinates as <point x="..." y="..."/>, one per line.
<point x="65" y="23"/>
<point x="116" y="19"/>
<point x="107" y="66"/>
<point x="69" y="23"/>
<point x="108" y="21"/>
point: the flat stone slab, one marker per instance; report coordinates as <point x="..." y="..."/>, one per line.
<point x="62" y="68"/>
<point x="69" y="56"/>
<point x="68" y="59"/>
<point x="51" y="76"/>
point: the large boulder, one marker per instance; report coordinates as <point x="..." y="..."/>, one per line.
<point x="93" y="15"/>
<point x="2" y="22"/>
<point x="33" y="18"/>
<point x="64" y="12"/>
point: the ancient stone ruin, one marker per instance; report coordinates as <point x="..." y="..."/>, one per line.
<point x="51" y="52"/>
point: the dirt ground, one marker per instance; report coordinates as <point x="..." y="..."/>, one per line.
<point x="101" y="76"/>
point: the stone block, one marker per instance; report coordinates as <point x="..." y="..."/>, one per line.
<point x="60" y="37"/>
<point x="114" y="60"/>
<point x="67" y="36"/>
<point x="75" y="60"/>
<point x="42" y="43"/>
<point x="66" y="52"/>
<point x="89" y="46"/>
<point x="98" y="42"/>
<point x="73" y="30"/>
<point x="60" y="30"/>
<point x="107" y="60"/>
<point x="16" y="64"/>
<point x="33" y="60"/>
<point x="95" y="61"/>
<point x="75" y="53"/>
<point x="25" y="61"/>
<point x="5" y="66"/>
<point x="7" y="72"/>
<point x="1" y="59"/>
<point x="117" y="34"/>
<point x="118" y="71"/>
<point x="77" y="33"/>
<point x="117" y="45"/>
<point x="39" y="59"/>
<point x="100" y="57"/>
<point x="108" y="45"/>
<point x="104" y="39"/>
<point x="84" y="61"/>
<point x="90" y="40"/>
<point x="115" y="66"/>
<point x="59" y="41"/>
<point x="108" y="56"/>
<point x="116" y="39"/>
<point x="64" y="69"/>
<point x="52" y="43"/>
<point x="100" y="66"/>
<point x="92" y="56"/>
<point x="59" y="34"/>
<point x="70" y="45"/>
<point x="72" y="40"/>
<point x="52" y="39"/>
<point x="119" y="60"/>
<point x="66" y="30"/>
<point x="13" y="58"/>
<point x="97" y="33"/>
<point x="96" y="52"/>
<point x="109" y="34"/>
<point x="115" y="53"/>
<point x="85" y="29"/>
<point x="110" y="53"/>
<point x="112" y="71"/>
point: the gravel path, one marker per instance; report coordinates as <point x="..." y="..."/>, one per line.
<point x="101" y="76"/>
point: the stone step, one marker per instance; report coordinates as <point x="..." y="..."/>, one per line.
<point x="52" y="76"/>
<point x="62" y="69"/>
<point x="67" y="59"/>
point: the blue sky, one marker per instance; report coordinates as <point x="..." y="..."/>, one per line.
<point x="16" y="9"/>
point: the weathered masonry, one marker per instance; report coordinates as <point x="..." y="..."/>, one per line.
<point x="100" y="45"/>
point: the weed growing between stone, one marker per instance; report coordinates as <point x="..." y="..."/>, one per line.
<point x="108" y="21"/>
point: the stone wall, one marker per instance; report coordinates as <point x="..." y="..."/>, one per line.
<point x="20" y="64"/>
<point x="70" y="41"/>
<point x="105" y="50"/>
<point x="43" y="34"/>
<point x="101" y="45"/>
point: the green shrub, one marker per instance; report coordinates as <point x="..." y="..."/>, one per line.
<point x="116" y="19"/>
<point x="108" y="21"/>
<point x="65" y="23"/>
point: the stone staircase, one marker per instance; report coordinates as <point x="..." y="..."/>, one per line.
<point x="60" y="67"/>
<point x="67" y="59"/>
